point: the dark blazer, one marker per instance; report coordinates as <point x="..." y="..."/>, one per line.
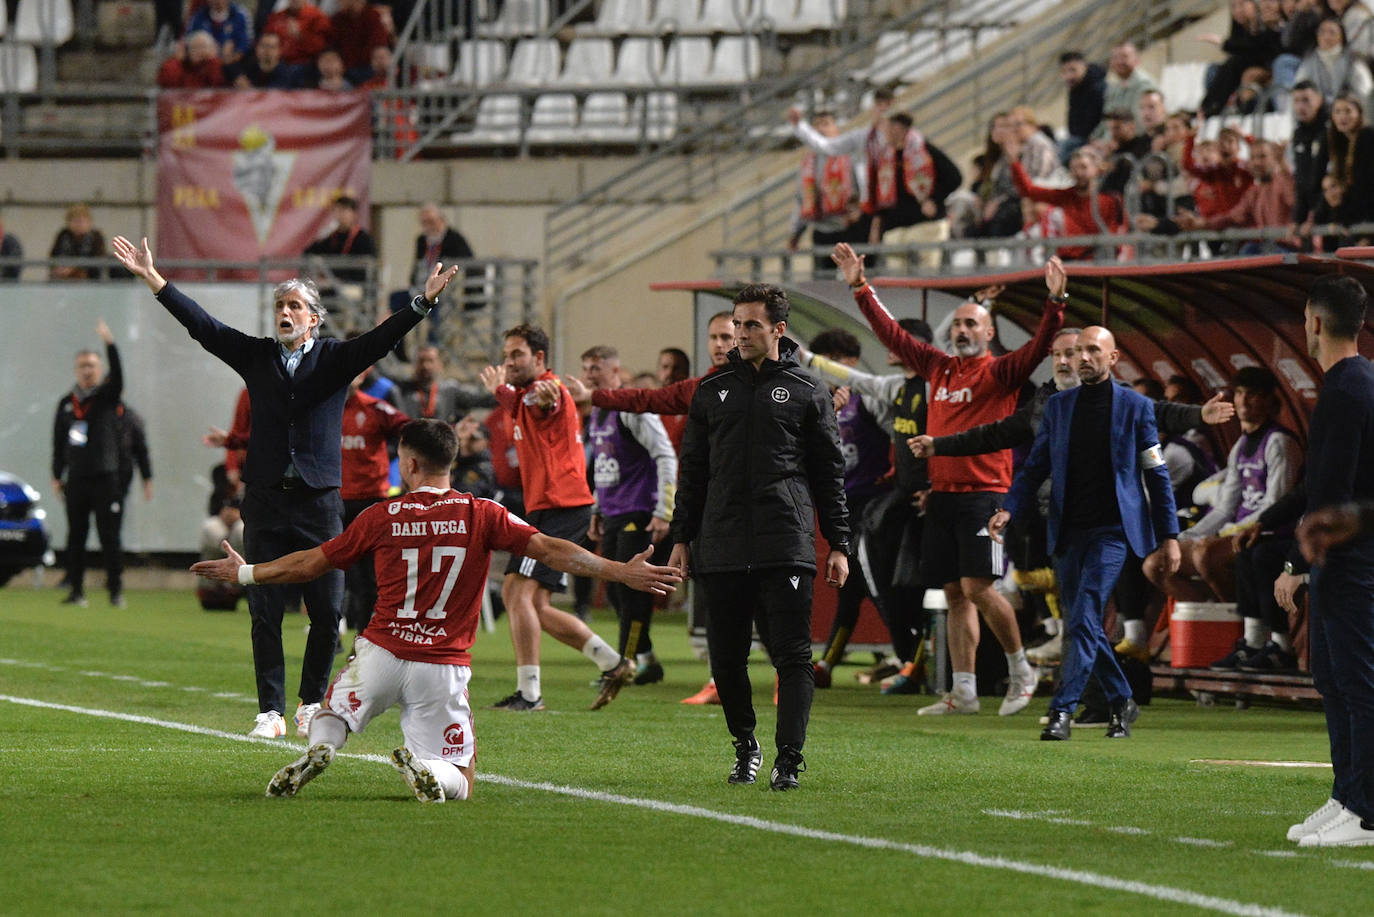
<point x="1136" y="456"/>
<point x="296" y="419"/>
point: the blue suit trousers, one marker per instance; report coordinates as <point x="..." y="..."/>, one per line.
<point x="1341" y="634"/>
<point x="1087" y="565"/>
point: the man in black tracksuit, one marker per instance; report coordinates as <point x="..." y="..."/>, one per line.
<point x="760" y="461"/>
<point x="85" y="466"/>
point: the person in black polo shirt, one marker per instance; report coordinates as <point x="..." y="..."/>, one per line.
<point x="85" y="466"/>
<point x="297" y="385"/>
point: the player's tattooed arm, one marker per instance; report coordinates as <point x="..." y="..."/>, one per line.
<point x="637" y="573"/>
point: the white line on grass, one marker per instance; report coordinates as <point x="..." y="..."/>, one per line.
<point x="132" y="679"/>
<point x="965" y="857"/>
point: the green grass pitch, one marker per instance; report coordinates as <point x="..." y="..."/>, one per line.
<point x="625" y="810"/>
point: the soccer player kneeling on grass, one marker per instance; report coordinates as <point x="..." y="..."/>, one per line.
<point x="431" y="550"/>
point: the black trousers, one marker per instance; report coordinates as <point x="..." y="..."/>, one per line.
<point x="1256" y="569"/>
<point x="889" y="560"/>
<point x="849" y="603"/>
<point x="102" y="495"/>
<point x="277" y="522"/>
<point x="360" y="580"/>
<point x="778" y="601"/>
<point x="622" y="537"/>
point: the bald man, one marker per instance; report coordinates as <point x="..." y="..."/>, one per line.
<point x="1099" y="445"/>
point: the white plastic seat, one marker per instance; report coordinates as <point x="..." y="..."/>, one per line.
<point x="43" y="22"/>
<point x="1182" y="85"/>
<point x="554" y="119"/>
<point x="432" y="59"/>
<point x="737" y="60"/>
<point x="659" y="111"/>
<point x="536" y="62"/>
<point x="606" y="119"/>
<point x="676" y="15"/>
<point x="517" y="18"/>
<point x="924" y="55"/>
<point x="818" y="15"/>
<point x="779" y="15"/>
<point x="640" y="62"/>
<point x="891" y="58"/>
<point x="728" y="16"/>
<point x="498" y="121"/>
<point x="18" y="68"/>
<point x="1276" y="127"/>
<point x="588" y="62"/>
<point x="688" y="61"/>
<point x="480" y="62"/>
<point x="621" y="17"/>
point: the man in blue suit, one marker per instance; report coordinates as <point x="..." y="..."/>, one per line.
<point x="1097" y="443"/>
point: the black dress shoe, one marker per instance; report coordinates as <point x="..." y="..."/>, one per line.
<point x="1123" y="715"/>
<point x="1057" y="730"/>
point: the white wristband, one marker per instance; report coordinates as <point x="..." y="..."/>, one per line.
<point x="246" y="575"/>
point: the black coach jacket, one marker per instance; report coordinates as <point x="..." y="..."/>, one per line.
<point x="760" y="462"/>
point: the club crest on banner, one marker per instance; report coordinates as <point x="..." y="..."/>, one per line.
<point x="260" y="175"/>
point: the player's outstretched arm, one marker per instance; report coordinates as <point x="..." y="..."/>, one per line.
<point x="300" y="567"/>
<point x="637" y="573"/>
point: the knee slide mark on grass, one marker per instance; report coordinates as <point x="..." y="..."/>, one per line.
<point x="965" y="857"/>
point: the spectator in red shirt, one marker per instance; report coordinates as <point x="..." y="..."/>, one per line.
<point x="1087" y="210"/>
<point x="304" y="31"/>
<point x="195" y="65"/>
<point x="358" y="28"/>
<point x="1267" y="202"/>
<point x="1221" y="182"/>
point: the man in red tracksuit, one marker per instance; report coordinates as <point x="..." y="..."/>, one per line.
<point x="1088" y="211"/>
<point x="967" y="389"/>
<point x="368" y="425"/>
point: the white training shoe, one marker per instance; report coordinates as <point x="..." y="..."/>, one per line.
<point x="1051" y="651"/>
<point x="1020" y="690"/>
<point x="1344" y="830"/>
<point x="1309" y="825"/>
<point x="304" y="714"/>
<point x="298" y="773"/>
<point x="419" y="778"/>
<point x="949" y="704"/>
<point x="269" y="725"/>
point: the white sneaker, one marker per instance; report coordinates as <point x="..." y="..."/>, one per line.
<point x="269" y="725"/>
<point x="1020" y="690"/>
<point x="419" y="778"/>
<point x="1342" y="831"/>
<point x="304" y="714"/>
<point x="298" y="773"/>
<point x="1309" y="825"/>
<point x="949" y="704"/>
<point x="1051" y="651"/>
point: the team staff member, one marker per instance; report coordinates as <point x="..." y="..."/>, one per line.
<point x="970" y="388"/>
<point x="1340" y="469"/>
<point x="297" y="385"/>
<point x="1096" y="444"/>
<point x="760" y="462"/>
<point x="432" y="548"/>
<point x="547" y="432"/>
<point x="86" y="443"/>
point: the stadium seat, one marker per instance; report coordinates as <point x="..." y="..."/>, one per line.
<point x="676" y="15"/>
<point x="498" y="121"/>
<point x="620" y="17"/>
<point x="606" y="119"/>
<point x="820" y="15"/>
<point x="891" y="58"/>
<point x="480" y="62"/>
<point x="554" y="118"/>
<point x="659" y="110"/>
<point x="43" y="22"/>
<point x="1182" y="85"/>
<point x="640" y="62"/>
<point x="518" y="18"/>
<point x="728" y="16"/>
<point x="18" y="67"/>
<point x="778" y="15"/>
<point x="688" y="61"/>
<point x="588" y="62"/>
<point x="536" y="62"/>
<point x="1276" y="126"/>
<point x="433" y="59"/>
<point x="737" y="60"/>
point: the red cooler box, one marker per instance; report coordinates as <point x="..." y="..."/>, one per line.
<point x="1200" y="633"/>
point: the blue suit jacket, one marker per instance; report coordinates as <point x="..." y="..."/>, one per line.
<point x="1136" y="458"/>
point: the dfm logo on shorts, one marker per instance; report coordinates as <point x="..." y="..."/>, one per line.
<point x="454" y="738"/>
<point x="605" y="471"/>
<point x="957" y="396"/>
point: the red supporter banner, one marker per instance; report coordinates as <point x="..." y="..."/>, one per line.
<point x="246" y="175"/>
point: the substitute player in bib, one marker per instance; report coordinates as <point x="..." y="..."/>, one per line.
<point x="969" y="388"/>
<point x="431" y="549"/>
<point x="547" y="433"/>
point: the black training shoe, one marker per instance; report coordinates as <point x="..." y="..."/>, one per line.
<point x="75" y="598"/>
<point x="1123" y="715"/>
<point x="518" y="703"/>
<point x="1240" y="654"/>
<point x="612" y="680"/>
<point x="649" y="673"/>
<point x="786" y="767"/>
<point x="1058" y="729"/>
<point x="1272" y="659"/>
<point x="748" y="758"/>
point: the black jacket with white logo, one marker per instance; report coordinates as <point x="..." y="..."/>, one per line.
<point x="760" y="461"/>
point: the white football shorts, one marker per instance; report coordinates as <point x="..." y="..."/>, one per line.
<point x="436" y="718"/>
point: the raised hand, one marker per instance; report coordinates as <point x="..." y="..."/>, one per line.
<point x="493" y="377"/>
<point x="1056" y="278"/>
<point x="138" y="261"/>
<point x="849" y="263"/>
<point x="103" y="330"/>
<point x="581" y="394"/>
<point x="437" y="280"/>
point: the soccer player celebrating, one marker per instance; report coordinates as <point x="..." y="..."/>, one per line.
<point x="431" y="549"/>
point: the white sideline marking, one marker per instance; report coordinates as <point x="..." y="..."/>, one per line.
<point x="1354" y="864"/>
<point x="965" y="857"/>
<point x="1238" y="763"/>
<point x="132" y="679"/>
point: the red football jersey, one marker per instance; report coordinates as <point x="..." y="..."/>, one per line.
<point x="431" y="550"/>
<point x="553" y="465"/>
<point x="368" y="423"/>
<point x="504" y="461"/>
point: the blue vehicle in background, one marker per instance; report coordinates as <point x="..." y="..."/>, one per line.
<point x="23" y="534"/>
